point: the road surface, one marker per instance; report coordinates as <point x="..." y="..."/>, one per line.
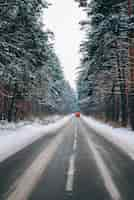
<point x="75" y="163"/>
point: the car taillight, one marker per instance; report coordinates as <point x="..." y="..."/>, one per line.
<point x="77" y="114"/>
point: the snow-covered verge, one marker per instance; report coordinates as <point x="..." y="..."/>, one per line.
<point x="9" y="128"/>
<point x="26" y="135"/>
<point x="121" y="137"/>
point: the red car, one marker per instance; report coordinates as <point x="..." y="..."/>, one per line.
<point x="77" y="114"/>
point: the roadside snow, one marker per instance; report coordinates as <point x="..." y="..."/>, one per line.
<point x="9" y="128"/>
<point x="121" y="137"/>
<point x="16" y="139"/>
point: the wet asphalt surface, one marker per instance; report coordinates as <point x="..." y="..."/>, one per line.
<point x="87" y="184"/>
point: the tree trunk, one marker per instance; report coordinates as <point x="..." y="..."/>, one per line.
<point x="117" y="108"/>
<point x="113" y="103"/>
<point x="11" y="110"/>
<point x="122" y="85"/>
<point x="131" y="69"/>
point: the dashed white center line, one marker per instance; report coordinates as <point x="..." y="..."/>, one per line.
<point x="71" y="170"/>
<point x="75" y="145"/>
<point x="75" y="139"/>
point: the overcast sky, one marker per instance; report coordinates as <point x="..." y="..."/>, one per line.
<point x="62" y="18"/>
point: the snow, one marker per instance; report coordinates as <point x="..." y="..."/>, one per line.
<point x="9" y="128"/>
<point x="121" y="137"/>
<point x="20" y="137"/>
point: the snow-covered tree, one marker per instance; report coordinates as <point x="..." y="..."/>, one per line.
<point x="29" y="69"/>
<point x="105" y="59"/>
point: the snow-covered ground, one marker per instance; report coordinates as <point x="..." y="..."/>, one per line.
<point x="19" y="136"/>
<point x="121" y="137"/>
<point x="9" y="128"/>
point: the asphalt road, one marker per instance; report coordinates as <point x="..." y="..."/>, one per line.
<point x="75" y="163"/>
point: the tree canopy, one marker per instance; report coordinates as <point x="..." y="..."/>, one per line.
<point x="30" y="70"/>
<point x="104" y="72"/>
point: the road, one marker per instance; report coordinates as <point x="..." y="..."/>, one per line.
<point x="75" y="163"/>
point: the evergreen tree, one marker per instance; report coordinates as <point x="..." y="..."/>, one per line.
<point x="105" y="58"/>
<point x="29" y="68"/>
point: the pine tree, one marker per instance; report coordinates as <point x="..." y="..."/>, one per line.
<point x="106" y="58"/>
<point x="29" y="68"/>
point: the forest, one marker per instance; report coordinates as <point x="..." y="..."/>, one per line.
<point x="31" y="76"/>
<point x="106" y="74"/>
<point x="32" y="81"/>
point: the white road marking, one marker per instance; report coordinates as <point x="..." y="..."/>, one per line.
<point x="75" y="138"/>
<point x="26" y="183"/>
<point x="71" y="170"/>
<point x="75" y="145"/>
<point x="75" y="142"/>
<point x="104" y="171"/>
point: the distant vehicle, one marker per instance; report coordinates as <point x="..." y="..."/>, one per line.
<point x="77" y="114"/>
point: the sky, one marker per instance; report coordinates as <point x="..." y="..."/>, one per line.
<point x="63" y="19"/>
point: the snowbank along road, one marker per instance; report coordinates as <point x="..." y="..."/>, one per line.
<point x="76" y="162"/>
